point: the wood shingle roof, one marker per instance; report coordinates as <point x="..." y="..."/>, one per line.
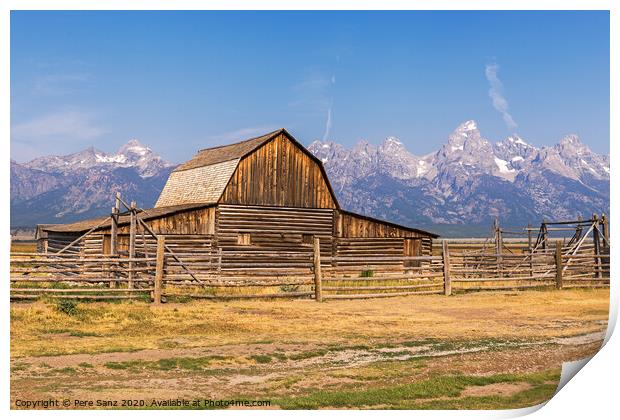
<point x="227" y="152"/>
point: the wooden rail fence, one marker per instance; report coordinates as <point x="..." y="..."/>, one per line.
<point x="188" y="269"/>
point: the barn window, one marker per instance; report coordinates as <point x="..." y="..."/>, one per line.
<point x="307" y="238"/>
<point x="243" y="239"/>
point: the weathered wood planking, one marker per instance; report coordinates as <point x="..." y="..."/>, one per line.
<point x="360" y="235"/>
<point x="279" y="173"/>
<point x="199" y="221"/>
<point x="56" y="241"/>
<point x="349" y="225"/>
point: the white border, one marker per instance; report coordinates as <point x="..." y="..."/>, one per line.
<point x="593" y="394"/>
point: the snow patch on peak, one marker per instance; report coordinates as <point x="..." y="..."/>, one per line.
<point x="469" y="125"/>
<point x="517" y="140"/>
<point x="393" y="140"/>
<point x="570" y="139"/>
<point x="134" y="146"/>
<point x="503" y="166"/>
<point x="111" y="159"/>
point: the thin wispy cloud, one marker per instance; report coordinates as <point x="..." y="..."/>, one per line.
<point x="496" y="93"/>
<point x="328" y="123"/>
<point x="312" y="93"/>
<point x="61" y="83"/>
<point x="314" y="96"/>
<point x="328" y="120"/>
<point x="68" y="125"/>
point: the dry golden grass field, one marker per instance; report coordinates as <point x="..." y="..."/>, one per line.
<point x="477" y="350"/>
<point x="23" y="246"/>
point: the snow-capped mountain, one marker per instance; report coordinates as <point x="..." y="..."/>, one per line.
<point x="469" y="179"/>
<point x="58" y="189"/>
<point x="131" y="155"/>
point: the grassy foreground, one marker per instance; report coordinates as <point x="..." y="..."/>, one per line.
<point x="484" y="350"/>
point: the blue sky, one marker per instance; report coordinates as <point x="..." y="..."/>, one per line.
<point x="181" y="81"/>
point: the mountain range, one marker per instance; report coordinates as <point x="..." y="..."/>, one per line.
<point x="60" y="189"/>
<point x="469" y="181"/>
<point x="458" y="189"/>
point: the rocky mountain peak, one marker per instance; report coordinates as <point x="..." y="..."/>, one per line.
<point x="572" y="139"/>
<point x="515" y="139"/>
<point x="134" y="146"/>
<point x="392" y="146"/>
<point x="465" y="136"/>
<point x="364" y="148"/>
<point x="467" y="126"/>
<point x="579" y="160"/>
<point x="571" y="145"/>
<point x="392" y="141"/>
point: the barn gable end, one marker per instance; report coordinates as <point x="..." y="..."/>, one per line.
<point x="281" y="172"/>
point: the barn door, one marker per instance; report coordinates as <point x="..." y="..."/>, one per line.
<point x="107" y="239"/>
<point x="412" y="248"/>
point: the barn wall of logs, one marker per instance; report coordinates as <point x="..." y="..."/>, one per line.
<point x="361" y="236"/>
<point x="235" y="228"/>
<point x="260" y="228"/>
<point x="56" y="241"/>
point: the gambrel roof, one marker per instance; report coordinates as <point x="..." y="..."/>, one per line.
<point x="203" y="178"/>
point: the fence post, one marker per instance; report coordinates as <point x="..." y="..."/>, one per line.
<point x="597" y="245"/>
<point x="132" y="243"/>
<point x="447" y="283"/>
<point x="605" y="232"/>
<point x="159" y="269"/>
<point x="318" y="294"/>
<point x="530" y="251"/>
<point x="558" y="264"/>
<point x="498" y="246"/>
<point x="114" y="229"/>
<point x="219" y="264"/>
<point x="114" y="237"/>
<point x="605" y="250"/>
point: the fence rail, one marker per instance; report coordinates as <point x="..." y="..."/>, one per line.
<point x="207" y="273"/>
<point x="97" y="277"/>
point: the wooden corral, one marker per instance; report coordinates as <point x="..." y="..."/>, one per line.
<point x="283" y="274"/>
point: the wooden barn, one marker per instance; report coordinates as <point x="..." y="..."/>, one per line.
<point x="265" y="193"/>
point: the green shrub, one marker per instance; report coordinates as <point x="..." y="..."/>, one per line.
<point x="67" y="307"/>
<point x="288" y="288"/>
<point x="367" y="273"/>
<point x="260" y="358"/>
